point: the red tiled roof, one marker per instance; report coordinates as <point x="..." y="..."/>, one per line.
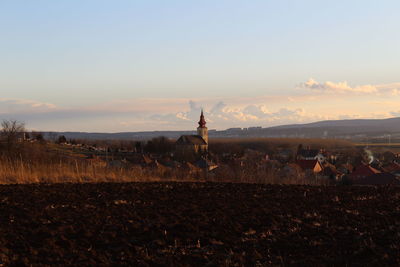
<point x="363" y="171"/>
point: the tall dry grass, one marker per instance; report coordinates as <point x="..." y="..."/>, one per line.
<point x="18" y="171"/>
<point x="79" y="171"/>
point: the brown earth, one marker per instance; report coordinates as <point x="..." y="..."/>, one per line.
<point x="198" y="224"/>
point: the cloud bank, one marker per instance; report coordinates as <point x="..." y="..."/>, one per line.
<point x="219" y="115"/>
<point x="309" y="101"/>
<point x="345" y="88"/>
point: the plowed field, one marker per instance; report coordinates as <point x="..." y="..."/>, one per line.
<point x="198" y="224"/>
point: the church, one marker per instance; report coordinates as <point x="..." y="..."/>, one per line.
<point x="194" y="143"/>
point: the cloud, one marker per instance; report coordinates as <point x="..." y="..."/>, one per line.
<point x="221" y="116"/>
<point x="16" y="105"/>
<point x="341" y="87"/>
<point x="259" y="111"/>
<point x="391" y="89"/>
<point x="285" y="112"/>
<point x="219" y="107"/>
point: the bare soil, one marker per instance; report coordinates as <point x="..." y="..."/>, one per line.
<point x="198" y="224"/>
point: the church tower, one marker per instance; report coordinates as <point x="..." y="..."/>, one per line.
<point x="202" y="129"/>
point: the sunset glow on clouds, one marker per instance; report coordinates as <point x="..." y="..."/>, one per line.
<point x="344" y="87"/>
<point x="313" y="101"/>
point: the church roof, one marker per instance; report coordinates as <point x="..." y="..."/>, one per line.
<point x="191" y="140"/>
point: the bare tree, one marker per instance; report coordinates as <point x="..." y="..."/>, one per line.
<point x="11" y="131"/>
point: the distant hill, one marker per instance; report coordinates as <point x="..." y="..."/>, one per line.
<point x="342" y="127"/>
<point x="346" y="129"/>
<point x="392" y="124"/>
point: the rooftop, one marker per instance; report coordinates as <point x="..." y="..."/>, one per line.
<point x="191" y="140"/>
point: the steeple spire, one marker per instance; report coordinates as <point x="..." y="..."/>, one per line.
<point x="202" y="122"/>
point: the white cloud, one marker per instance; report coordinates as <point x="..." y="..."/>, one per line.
<point x="259" y="111"/>
<point x="340" y="87"/>
<point x="392" y="89"/>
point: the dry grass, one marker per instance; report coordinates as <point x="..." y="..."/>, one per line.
<point x="20" y="172"/>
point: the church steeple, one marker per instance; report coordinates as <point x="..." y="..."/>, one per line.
<point x="202" y="129"/>
<point x="202" y="122"/>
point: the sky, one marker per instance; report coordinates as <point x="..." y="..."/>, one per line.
<point x="119" y="66"/>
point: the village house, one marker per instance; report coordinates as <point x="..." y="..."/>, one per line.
<point x="345" y="168"/>
<point x="331" y="172"/>
<point x="310" y="166"/>
<point x="363" y="171"/>
<point x="310" y="154"/>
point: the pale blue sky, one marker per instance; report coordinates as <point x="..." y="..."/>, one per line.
<point x="82" y="59"/>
